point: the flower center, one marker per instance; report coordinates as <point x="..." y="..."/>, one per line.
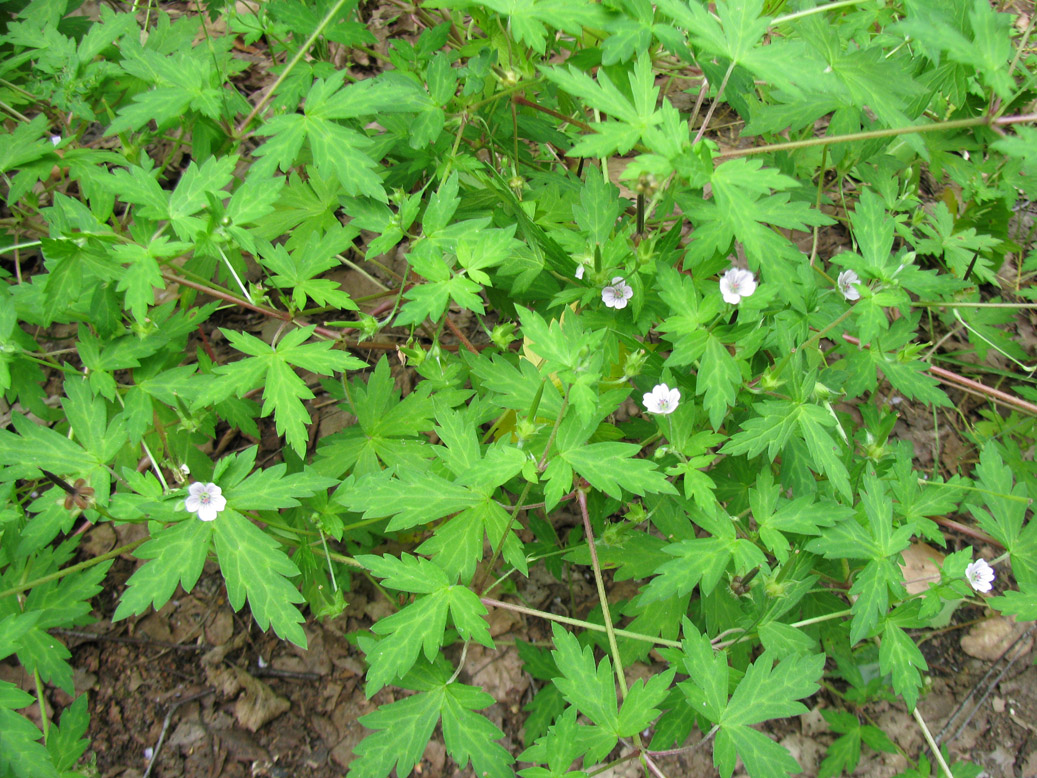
<point x="204" y="498"/>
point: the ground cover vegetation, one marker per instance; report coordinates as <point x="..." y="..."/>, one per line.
<point x="595" y="233"/>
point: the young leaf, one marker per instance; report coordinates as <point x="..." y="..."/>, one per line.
<point x="766" y="691"/>
<point x="419" y="626"/>
<point x="254" y="565"/>
<point x="176" y="555"/>
<point x="271" y="368"/>
<point x="403" y="729"/>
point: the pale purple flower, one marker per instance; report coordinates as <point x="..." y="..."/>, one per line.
<point x="617" y="293"/>
<point x="980" y="575"/>
<point x="662" y="399"/>
<point x="846" y="282"/>
<point x="736" y="284"/>
<point x="206" y="500"/>
<point x="580" y="270"/>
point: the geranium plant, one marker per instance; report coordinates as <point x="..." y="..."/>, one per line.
<point x="561" y="207"/>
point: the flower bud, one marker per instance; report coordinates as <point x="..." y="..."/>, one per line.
<point x="503" y="335"/>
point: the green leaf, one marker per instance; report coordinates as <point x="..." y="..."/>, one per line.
<point x="50" y="450"/>
<point x="611" y="468"/>
<point x="527" y="19"/>
<point x="67" y="742"/>
<point x="403" y="729"/>
<point x="269" y="489"/>
<point x="702" y="561"/>
<point x="21" y="753"/>
<point x="254" y="566"/>
<point x="590" y="687"/>
<point x="176" y="555"/>
<point x="629" y="118"/>
<point x="420" y="626"/>
<point x="192" y="192"/>
<point x="880" y="545"/>
<point x="766" y="691"/>
<point x="718" y="379"/>
<point x="598" y="209"/>
<point x="283" y="390"/>
<point x="411" y="498"/>
<point x="899" y="655"/>
<point x="823" y="448"/>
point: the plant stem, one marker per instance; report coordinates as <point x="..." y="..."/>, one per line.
<point x="819" y="9"/>
<point x="581" y="498"/>
<point x="24" y="587"/>
<point x="932" y="743"/>
<point x="576" y="622"/>
<point x="955" y="124"/>
<point x="289" y="67"/>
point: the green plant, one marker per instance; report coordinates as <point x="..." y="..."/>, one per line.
<point x="762" y="520"/>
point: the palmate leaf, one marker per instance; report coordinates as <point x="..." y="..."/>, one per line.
<point x="766" y="691"/>
<point x="403" y="728"/>
<point x="49" y="450"/>
<point x="591" y="688"/>
<point x="737" y="27"/>
<point x="271" y="367"/>
<point x="702" y="561"/>
<point x="176" y="555"/>
<point x="254" y="566"/>
<point x="269" y="489"/>
<point x="411" y="498"/>
<point x="879" y="544"/>
<point x="22" y="755"/>
<point x="899" y="656"/>
<point x="528" y="19"/>
<point x="630" y="117"/>
<point x="718" y="379"/>
<point x="419" y="626"/>
<point x="387" y="432"/>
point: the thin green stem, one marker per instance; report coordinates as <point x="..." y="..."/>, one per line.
<point x="331" y="14"/>
<point x="20" y="117"/>
<point x="489" y="601"/>
<point x="44" y="721"/>
<point x="554" y="433"/>
<point x="18" y="246"/>
<point x="820" y="9"/>
<point x="610" y="630"/>
<point x="24" y="587"/>
<point x="936" y="304"/>
<point x="955" y="124"/>
<point x="932" y="743"/>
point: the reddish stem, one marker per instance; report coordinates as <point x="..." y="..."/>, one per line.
<point x="967" y="383"/>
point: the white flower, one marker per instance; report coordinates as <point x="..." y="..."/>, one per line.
<point x="846" y="282"/>
<point x="617" y="294"/>
<point x="736" y="284"/>
<point x="662" y="399"/>
<point x="580" y="270"/>
<point x="980" y="575"/>
<point x="206" y="500"/>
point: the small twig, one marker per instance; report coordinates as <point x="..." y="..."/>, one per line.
<point x="98" y="636"/>
<point x="687" y="749"/>
<point x="165" y="726"/>
<point x="989" y="688"/>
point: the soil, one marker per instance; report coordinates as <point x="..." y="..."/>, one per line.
<point x="197" y="690"/>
